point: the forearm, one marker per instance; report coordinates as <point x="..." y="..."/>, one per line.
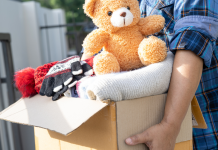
<point x="185" y="78"/>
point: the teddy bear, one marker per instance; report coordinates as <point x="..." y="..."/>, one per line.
<point x="123" y="35"/>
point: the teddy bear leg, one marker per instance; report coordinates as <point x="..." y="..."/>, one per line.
<point x="105" y="63"/>
<point x="152" y="50"/>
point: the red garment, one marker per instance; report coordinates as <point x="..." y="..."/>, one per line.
<point x="29" y="80"/>
<point x="24" y="81"/>
<point x="89" y="61"/>
<point x="40" y="73"/>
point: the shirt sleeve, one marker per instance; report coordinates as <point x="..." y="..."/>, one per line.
<point x="195" y="28"/>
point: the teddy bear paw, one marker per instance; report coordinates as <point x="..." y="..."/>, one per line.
<point x="105" y="63"/>
<point x="152" y="50"/>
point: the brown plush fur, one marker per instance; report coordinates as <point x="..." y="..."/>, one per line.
<point x="125" y="48"/>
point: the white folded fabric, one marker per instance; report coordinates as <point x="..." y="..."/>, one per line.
<point x="147" y="81"/>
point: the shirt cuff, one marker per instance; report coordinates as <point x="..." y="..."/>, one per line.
<point x="194" y="41"/>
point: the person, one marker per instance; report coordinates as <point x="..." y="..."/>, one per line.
<point x="190" y="32"/>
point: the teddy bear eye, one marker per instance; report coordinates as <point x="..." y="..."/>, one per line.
<point x="109" y="13"/>
<point x="128" y="7"/>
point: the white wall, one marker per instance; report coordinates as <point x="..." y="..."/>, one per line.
<point x="49" y="44"/>
<point x="53" y="39"/>
<point x="31" y="46"/>
<point x="12" y="21"/>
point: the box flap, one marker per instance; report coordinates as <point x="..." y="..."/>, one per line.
<point x="97" y="133"/>
<point x="62" y="116"/>
<point x="145" y="112"/>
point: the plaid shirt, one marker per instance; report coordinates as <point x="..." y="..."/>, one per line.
<point x="193" y="25"/>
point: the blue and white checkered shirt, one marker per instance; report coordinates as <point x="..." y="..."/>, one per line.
<point x="193" y="25"/>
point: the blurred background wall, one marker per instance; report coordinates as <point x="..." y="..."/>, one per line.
<point x="41" y="31"/>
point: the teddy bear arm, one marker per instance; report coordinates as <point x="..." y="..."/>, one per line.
<point x="151" y="24"/>
<point x="95" y="41"/>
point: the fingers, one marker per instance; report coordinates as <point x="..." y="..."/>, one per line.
<point x="42" y="89"/>
<point x="57" y="83"/>
<point x="61" y="80"/>
<point x="88" y="71"/>
<point x="81" y="67"/>
<point x="49" y="87"/>
<point x="138" y="138"/>
<point x="78" y="77"/>
<point x="68" y="81"/>
<point x="76" y="68"/>
<point x="72" y="83"/>
<point x="57" y="88"/>
<point x="59" y="93"/>
<point x="75" y="80"/>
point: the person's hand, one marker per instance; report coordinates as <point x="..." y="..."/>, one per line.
<point x="159" y="137"/>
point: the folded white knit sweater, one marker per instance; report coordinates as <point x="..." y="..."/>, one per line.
<point x="150" y="80"/>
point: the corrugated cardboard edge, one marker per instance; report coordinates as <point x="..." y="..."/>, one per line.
<point x="114" y="130"/>
<point x="36" y="143"/>
<point x="21" y="110"/>
<point x="187" y="145"/>
<point x="196" y="111"/>
<point x="9" y="107"/>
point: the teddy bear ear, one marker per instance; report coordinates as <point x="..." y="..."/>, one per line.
<point x="89" y="7"/>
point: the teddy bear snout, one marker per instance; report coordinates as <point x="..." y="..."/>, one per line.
<point x="122" y="17"/>
<point x="123" y="14"/>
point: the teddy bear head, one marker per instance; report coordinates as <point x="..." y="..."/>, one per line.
<point x="111" y="15"/>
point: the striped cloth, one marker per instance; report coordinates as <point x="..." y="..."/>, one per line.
<point x="193" y="25"/>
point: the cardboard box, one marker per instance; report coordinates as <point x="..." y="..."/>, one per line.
<point x="79" y="124"/>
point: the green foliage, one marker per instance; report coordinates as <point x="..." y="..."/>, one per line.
<point x="73" y="8"/>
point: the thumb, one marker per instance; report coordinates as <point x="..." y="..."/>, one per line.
<point x="138" y="138"/>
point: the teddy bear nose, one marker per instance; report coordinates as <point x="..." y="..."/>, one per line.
<point x="123" y="14"/>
